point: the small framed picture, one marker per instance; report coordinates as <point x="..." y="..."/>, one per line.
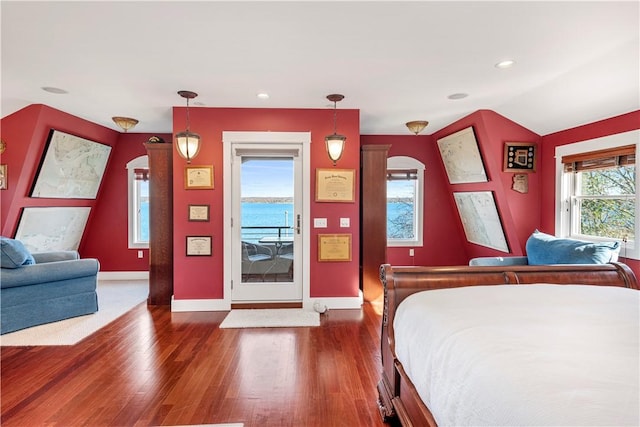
<point x="199" y="213"/>
<point x="335" y="185"/>
<point x="199" y="245"/>
<point x="519" y="157"/>
<point x="334" y="247"/>
<point x="3" y="177"/>
<point x="198" y="177"/>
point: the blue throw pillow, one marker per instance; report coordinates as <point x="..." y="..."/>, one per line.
<point x="543" y="249"/>
<point x="14" y="254"/>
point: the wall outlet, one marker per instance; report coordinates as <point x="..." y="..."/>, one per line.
<point x="345" y="222"/>
<point x="140" y="254"/>
<point x="320" y="222"/>
<point x="411" y="252"/>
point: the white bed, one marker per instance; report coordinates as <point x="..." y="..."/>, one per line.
<point x="544" y="355"/>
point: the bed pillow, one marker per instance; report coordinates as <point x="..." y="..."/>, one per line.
<point x="14" y="254"/>
<point x="544" y="249"/>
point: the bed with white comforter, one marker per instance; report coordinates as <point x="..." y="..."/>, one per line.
<point x="543" y="355"/>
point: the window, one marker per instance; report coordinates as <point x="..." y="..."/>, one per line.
<point x="138" y="191"/>
<point x="405" y="176"/>
<point x="598" y="191"/>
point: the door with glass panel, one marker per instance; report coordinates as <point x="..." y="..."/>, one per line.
<point x="266" y="211"/>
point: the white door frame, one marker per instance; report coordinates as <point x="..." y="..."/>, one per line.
<point x="281" y="138"/>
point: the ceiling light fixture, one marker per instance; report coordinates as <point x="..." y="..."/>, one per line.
<point x="124" y="123"/>
<point x="335" y="143"/>
<point x="417" y="126"/>
<point x="55" y="90"/>
<point x="263" y="95"/>
<point x="187" y="143"/>
<point x="459" y="95"/>
<point x="508" y="63"/>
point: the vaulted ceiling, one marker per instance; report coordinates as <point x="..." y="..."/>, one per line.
<point x="575" y="62"/>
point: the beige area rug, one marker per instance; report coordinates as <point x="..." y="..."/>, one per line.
<point x="270" y="318"/>
<point x="115" y="298"/>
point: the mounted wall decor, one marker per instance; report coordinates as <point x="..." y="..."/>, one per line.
<point x="198" y="177"/>
<point x="72" y="167"/>
<point x="199" y="213"/>
<point x="199" y="245"/>
<point x="461" y="157"/>
<point x="519" y="157"/>
<point x="335" y="185"/>
<point x="480" y="219"/>
<point x="3" y="177"/>
<point x="334" y="247"/>
<point x="44" y="229"/>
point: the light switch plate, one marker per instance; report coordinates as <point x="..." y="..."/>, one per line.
<point x="320" y="222"/>
<point x="345" y="222"/>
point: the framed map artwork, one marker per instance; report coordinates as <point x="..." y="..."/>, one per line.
<point x="461" y="157"/>
<point x="45" y="229"/>
<point x="480" y="219"/>
<point x="72" y="167"/>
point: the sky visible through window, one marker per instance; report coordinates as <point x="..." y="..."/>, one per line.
<point x="267" y="178"/>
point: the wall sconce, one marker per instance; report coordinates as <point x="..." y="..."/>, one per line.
<point x="124" y="123"/>
<point x="187" y="143"/>
<point x="417" y="126"/>
<point x="335" y="142"/>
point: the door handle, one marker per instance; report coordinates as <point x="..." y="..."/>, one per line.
<point x="298" y="223"/>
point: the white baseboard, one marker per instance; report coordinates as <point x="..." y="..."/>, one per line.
<point x="123" y="275"/>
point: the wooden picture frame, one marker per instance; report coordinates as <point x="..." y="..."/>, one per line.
<point x="335" y="185"/>
<point x="334" y="247"/>
<point x="198" y="213"/>
<point x="519" y="157"/>
<point x="198" y="177"/>
<point x="199" y="245"/>
<point x="3" y="177"/>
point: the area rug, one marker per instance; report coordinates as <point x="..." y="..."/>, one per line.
<point x="115" y="298"/>
<point x="270" y="318"/>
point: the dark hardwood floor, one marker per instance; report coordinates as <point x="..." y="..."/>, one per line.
<point x="154" y="367"/>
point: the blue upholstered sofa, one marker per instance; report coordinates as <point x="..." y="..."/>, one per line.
<point x="44" y="287"/>
<point x="545" y="249"/>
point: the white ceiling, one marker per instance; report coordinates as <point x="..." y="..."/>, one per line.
<point x="576" y="62"/>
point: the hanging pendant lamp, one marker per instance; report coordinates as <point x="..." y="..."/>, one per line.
<point x="188" y="143"/>
<point x="335" y="143"/>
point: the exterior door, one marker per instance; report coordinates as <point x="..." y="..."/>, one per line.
<point x="266" y="226"/>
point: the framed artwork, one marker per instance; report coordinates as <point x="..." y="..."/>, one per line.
<point x="334" y="247"/>
<point x="199" y="245"/>
<point x="44" y="229"/>
<point x="3" y="177"/>
<point x="335" y="185"/>
<point x="480" y="219"/>
<point x="519" y="157"/>
<point x="72" y="167"/>
<point x="198" y="177"/>
<point x="199" y="213"/>
<point x="461" y="157"/>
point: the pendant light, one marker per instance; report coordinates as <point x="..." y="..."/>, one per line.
<point x="188" y="143"/>
<point x="335" y="143"/>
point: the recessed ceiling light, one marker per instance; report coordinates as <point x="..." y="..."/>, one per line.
<point x="263" y="95"/>
<point x="458" y="95"/>
<point x="508" y="63"/>
<point x="55" y="90"/>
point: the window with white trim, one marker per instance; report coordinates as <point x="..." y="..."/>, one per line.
<point x="138" y="205"/>
<point x="405" y="184"/>
<point x="598" y="190"/>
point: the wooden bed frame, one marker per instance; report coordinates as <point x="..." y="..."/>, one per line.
<point x="398" y="397"/>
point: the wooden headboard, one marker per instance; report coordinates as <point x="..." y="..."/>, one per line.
<point x="400" y="282"/>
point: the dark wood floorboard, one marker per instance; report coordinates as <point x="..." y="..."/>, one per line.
<point x="152" y="367"/>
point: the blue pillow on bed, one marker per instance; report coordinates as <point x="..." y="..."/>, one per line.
<point x="14" y="254"/>
<point x="543" y="249"/>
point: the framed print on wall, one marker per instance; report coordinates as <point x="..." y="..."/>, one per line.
<point x="519" y="157"/>
<point x="461" y="157"/>
<point x="335" y="185"/>
<point x="3" y="177"/>
<point x="198" y="177"/>
<point x="199" y="213"/>
<point x="334" y="247"/>
<point x="72" y="167"/>
<point x="44" y="229"/>
<point x="199" y="245"/>
<point x="480" y="219"/>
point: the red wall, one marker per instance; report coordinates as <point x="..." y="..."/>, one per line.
<point x="442" y="242"/>
<point x="623" y="123"/>
<point x="202" y="277"/>
<point x="519" y="213"/>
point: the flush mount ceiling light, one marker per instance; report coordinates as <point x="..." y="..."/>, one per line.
<point x="263" y="95"/>
<point x="459" y="95"/>
<point x="335" y="143"/>
<point x="417" y="126"/>
<point x="55" y="90"/>
<point x="187" y="143"/>
<point x="124" y="123"/>
<point x="508" y="63"/>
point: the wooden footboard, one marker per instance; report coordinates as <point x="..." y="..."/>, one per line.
<point x="397" y="395"/>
